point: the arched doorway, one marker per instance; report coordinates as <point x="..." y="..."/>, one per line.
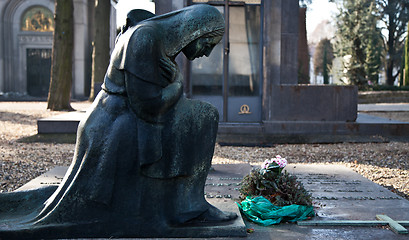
<point x="24" y="25"/>
<point x="37" y="21"/>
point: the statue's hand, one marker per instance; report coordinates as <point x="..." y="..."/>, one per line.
<point x="169" y="70"/>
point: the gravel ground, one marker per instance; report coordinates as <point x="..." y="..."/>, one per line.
<point x="384" y="163"/>
<point x="398" y="116"/>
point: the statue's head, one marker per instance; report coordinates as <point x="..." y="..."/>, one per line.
<point x="194" y="30"/>
<point x="209" y="23"/>
<point x="202" y="46"/>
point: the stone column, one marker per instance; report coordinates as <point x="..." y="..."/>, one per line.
<point x="289" y="42"/>
<point x="10" y="50"/>
<point x="113" y="28"/>
<point x="2" y="76"/>
<point x="80" y="47"/>
<point x="271" y="52"/>
<point x="88" y="54"/>
<point x="164" y="6"/>
<point x="280" y="47"/>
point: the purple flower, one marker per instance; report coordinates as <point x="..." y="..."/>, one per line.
<point x="280" y="161"/>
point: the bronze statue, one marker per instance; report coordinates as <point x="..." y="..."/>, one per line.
<point x="143" y="151"/>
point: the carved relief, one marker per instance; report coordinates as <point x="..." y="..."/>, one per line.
<point x="35" y="39"/>
<point x="38" y="19"/>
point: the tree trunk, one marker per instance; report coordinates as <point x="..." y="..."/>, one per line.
<point x="390" y="62"/>
<point x="61" y="67"/>
<point x="100" y="51"/>
<point x="359" y="71"/>
<point x="406" y="70"/>
<point x="303" y="55"/>
<point x="389" y="72"/>
<point x="325" y="66"/>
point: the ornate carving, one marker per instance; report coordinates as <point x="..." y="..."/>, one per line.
<point x="244" y="109"/>
<point x="35" y="39"/>
<point x="38" y="19"/>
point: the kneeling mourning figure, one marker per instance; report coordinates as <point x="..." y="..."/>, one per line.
<point x="143" y="151"/>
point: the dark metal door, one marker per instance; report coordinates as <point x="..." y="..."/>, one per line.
<point x="38" y="71"/>
<point x="230" y="78"/>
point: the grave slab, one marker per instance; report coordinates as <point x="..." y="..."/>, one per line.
<point x="339" y="194"/>
<point x="343" y="194"/>
<point x="50" y="178"/>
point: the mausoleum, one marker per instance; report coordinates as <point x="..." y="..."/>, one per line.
<point x="26" y="30"/>
<point x="251" y="75"/>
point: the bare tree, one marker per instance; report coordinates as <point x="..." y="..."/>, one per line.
<point x="61" y="67"/>
<point x="100" y="51"/>
<point x="395" y="15"/>
<point x="323" y="57"/>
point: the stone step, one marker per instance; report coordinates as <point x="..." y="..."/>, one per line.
<point x="362" y="130"/>
<point x="64" y="123"/>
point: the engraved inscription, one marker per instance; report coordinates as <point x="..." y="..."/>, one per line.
<point x="222" y="187"/>
<point x="329" y="187"/>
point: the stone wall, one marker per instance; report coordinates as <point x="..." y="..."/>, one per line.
<point x="314" y="103"/>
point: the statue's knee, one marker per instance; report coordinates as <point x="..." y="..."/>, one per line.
<point x="210" y="111"/>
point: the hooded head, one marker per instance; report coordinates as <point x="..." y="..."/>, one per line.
<point x="182" y="27"/>
<point x="135" y="16"/>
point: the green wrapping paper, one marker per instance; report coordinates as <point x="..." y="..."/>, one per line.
<point x="263" y="212"/>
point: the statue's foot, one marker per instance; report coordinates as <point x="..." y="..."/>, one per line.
<point x="213" y="214"/>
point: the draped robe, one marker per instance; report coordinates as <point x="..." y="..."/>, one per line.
<point x="143" y="150"/>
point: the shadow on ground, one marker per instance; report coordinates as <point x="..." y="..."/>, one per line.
<point x="49" y="138"/>
<point x="17" y="118"/>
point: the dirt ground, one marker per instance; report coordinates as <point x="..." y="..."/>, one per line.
<point x="20" y="161"/>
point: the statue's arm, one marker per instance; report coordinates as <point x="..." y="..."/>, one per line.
<point x="152" y="81"/>
<point x="151" y="99"/>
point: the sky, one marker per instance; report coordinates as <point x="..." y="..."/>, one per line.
<point x="123" y="7"/>
<point x="318" y="11"/>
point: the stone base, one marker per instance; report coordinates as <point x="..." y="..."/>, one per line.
<point x="99" y="230"/>
<point x="366" y="128"/>
<point x="223" y="180"/>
